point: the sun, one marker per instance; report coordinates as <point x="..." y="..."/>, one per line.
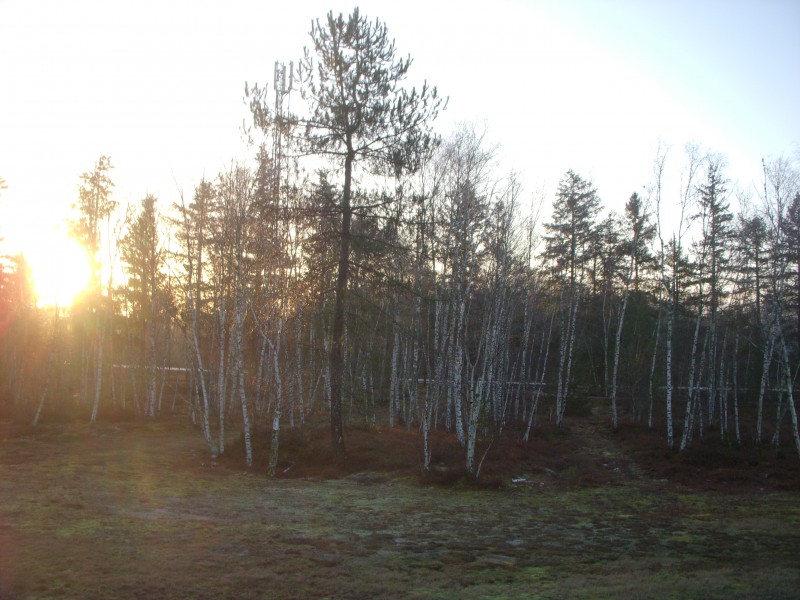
<point x="59" y="267"/>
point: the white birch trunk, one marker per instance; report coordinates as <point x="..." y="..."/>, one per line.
<point x="238" y="340"/>
<point x="789" y="390"/>
<point x="736" y="390"/>
<point x="562" y="355"/>
<point x="688" y="423"/>
<point x="394" y="384"/>
<point x="40" y="406"/>
<point x="617" y="342"/>
<point x="248" y="445"/>
<point x="475" y="406"/>
<point x="262" y="351"/>
<point x="299" y="365"/>
<point x="221" y="378"/>
<point x="723" y="389"/>
<point x="98" y="374"/>
<point x="653" y="370"/>
<point x="539" y="380"/>
<point x="276" y="416"/>
<point x="311" y="370"/>
<point x="712" y="374"/>
<point x="607" y="318"/>
<point x="152" y="371"/>
<point x="432" y="391"/>
<point x="456" y="372"/>
<point x="327" y="370"/>
<point x="570" y="352"/>
<point x="414" y="383"/>
<point x="668" y="382"/>
<point x="768" y="350"/>
<point x="50" y="367"/>
<point x="204" y="390"/>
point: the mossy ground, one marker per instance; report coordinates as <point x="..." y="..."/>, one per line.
<point x="134" y="510"/>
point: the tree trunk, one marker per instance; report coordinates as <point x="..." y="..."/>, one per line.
<point x="768" y="350"/>
<point x="262" y="353"/>
<point x="394" y="385"/>
<point x="539" y="379"/>
<point x="562" y="354"/>
<point x="238" y="339"/>
<point x="668" y="382"/>
<point x="617" y="342"/>
<point x="276" y="415"/>
<point x="457" y="365"/>
<point x="788" y="382"/>
<point x="202" y="379"/>
<point x="98" y="372"/>
<point x="432" y="390"/>
<point x="221" y="378"/>
<point x="650" y="386"/>
<point x="562" y="407"/>
<point x="51" y="361"/>
<point x="688" y="423"/>
<point x="736" y="389"/>
<point x="723" y="389"/>
<point x="475" y="407"/>
<point x="337" y="333"/>
<point x="298" y="331"/>
<point x="151" y="368"/>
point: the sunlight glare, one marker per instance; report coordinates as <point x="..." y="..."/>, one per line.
<point x="60" y="269"/>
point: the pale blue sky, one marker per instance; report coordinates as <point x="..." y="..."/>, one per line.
<point x="589" y="85"/>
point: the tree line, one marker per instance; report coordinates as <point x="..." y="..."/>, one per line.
<point x="361" y="267"/>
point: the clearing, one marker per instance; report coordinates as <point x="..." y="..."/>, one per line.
<point x="132" y="510"/>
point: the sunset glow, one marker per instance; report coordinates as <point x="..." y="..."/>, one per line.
<point x="399" y="299"/>
<point x="60" y="269"/>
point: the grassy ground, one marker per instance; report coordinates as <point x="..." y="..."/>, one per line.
<point x="138" y="511"/>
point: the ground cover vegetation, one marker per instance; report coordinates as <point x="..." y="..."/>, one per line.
<point x="137" y="509"/>
<point x="365" y="296"/>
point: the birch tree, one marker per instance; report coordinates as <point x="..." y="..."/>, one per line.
<point x="235" y="197"/>
<point x="672" y="263"/>
<point x="192" y="234"/>
<point x="94" y="205"/>
<point x="780" y="188"/>
<point x="490" y="391"/>
<point x="462" y="195"/>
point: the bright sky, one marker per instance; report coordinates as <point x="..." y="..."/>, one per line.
<point x="588" y="85"/>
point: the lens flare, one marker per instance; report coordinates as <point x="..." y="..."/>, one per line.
<point x="60" y="269"/>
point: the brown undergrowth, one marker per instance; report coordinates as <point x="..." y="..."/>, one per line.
<point x="383" y="453"/>
<point x="586" y="453"/>
<point x="714" y="463"/>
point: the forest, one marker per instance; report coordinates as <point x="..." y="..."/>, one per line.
<point x="364" y="270"/>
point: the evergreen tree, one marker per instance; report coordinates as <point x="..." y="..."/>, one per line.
<point x="792" y="225"/>
<point x="94" y="204"/>
<point x="716" y="220"/>
<point x="359" y="113"/>
<point x="144" y="255"/>
<point x="569" y="244"/>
